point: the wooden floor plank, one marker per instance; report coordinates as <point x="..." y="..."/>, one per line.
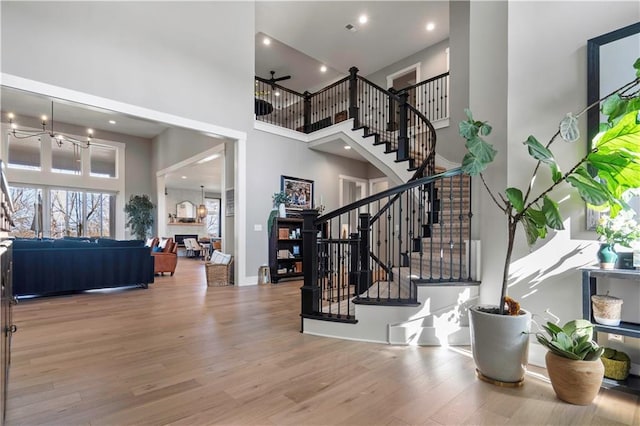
<point x="182" y="353"/>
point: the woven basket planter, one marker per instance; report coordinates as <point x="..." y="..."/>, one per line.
<point x="218" y="274"/>
<point x="616" y="364"/>
<point x="606" y="309"/>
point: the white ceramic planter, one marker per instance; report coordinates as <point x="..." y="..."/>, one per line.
<point x="500" y="344"/>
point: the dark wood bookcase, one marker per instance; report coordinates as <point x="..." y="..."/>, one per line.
<point x="285" y="249"/>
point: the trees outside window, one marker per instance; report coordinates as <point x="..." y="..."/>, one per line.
<point x="24" y="216"/>
<point x="64" y="213"/>
<point x="213" y="216"/>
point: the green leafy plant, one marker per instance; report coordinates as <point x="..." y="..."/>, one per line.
<point x="139" y="210"/>
<point x="574" y="340"/>
<point x="611" y="167"/>
<point x="280" y="198"/>
<point x="622" y="229"/>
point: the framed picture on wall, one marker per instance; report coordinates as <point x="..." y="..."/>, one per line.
<point x="229" y="202"/>
<point x="300" y="192"/>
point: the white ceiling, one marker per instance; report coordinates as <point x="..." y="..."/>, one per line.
<point x="34" y="105"/>
<point x="316" y="32"/>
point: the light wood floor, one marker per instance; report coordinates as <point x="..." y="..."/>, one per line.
<point x="181" y="353"/>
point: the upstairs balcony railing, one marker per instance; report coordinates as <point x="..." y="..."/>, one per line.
<point x="431" y="97"/>
<point x="378" y="250"/>
<point x="400" y="120"/>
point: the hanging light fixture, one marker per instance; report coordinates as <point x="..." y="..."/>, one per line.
<point x="202" y="209"/>
<point x="58" y="137"/>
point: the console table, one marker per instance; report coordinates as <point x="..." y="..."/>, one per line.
<point x="631" y="329"/>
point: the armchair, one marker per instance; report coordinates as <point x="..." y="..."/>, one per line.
<point x="166" y="259"/>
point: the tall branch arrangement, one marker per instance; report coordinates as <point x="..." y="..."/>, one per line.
<point x="611" y="167"/>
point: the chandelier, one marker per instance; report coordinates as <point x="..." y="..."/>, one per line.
<point x="57" y="136"/>
<point x="202" y="208"/>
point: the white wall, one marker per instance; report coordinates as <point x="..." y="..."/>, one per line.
<point x="449" y="144"/>
<point x="274" y="156"/>
<point x="432" y="60"/>
<point x="488" y="102"/>
<point x="189" y="59"/>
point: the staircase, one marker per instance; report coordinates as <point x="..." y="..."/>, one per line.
<point x="396" y="267"/>
<point x="442" y="249"/>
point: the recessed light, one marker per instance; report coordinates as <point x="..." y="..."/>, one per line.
<point x="363" y="19"/>
<point x="323" y="68"/>
<point x="209" y="158"/>
<point x="112" y="121"/>
<point x="276" y="93"/>
<point x="347" y="147"/>
<point x="266" y="41"/>
<point x="183" y="177"/>
<point x="431" y="26"/>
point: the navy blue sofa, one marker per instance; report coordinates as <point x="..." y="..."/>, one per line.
<point x="45" y="267"/>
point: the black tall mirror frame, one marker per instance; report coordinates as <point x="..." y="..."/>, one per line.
<point x="593" y="73"/>
<point x="593" y="92"/>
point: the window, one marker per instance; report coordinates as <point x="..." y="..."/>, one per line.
<point x="66" y="157"/>
<point x="103" y="161"/>
<point x="66" y="213"/>
<point x="24" y="153"/>
<point x="98" y="213"/>
<point x="26" y="201"/>
<point x="213" y="216"/>
<point x="63" y="210"/>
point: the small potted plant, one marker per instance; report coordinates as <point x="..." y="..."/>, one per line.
<point x="622" y="229"/>
<point x="573" y="361"/>
<point x="280" y="199"/>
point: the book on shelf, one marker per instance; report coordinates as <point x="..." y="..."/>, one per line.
<point x="283" y="234"/>
<point x="284" y="254"/>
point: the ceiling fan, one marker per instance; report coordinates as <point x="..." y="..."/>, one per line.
<point x="273" y="80"/>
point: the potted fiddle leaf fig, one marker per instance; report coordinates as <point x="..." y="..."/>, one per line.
<point x="139" y="210"/>
<point x="573" y="361"/>
<point x="499" y="336"/>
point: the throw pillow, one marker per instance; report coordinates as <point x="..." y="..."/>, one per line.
<point x="163" y="242"/>
<point x="149" y="242"/>
<point x="157" y="249"/>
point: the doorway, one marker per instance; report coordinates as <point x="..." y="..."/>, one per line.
<point x="406" y="77"/>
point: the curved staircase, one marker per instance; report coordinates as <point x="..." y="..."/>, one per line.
<point x="395" y="267"/>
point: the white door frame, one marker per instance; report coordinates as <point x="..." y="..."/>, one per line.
<point x="373" y="181"/>
<point x="402" y="72"/>
<point x="362" y="184"/>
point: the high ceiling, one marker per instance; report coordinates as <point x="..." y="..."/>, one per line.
<point x="309" y="34"/>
